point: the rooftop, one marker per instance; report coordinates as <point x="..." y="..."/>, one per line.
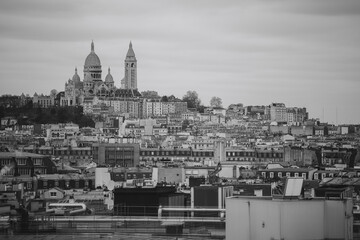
<point x="18" y="154"/>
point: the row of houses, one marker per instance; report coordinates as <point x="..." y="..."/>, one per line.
<point x="311" y="130"/>
<point x="110" y="153"/>
<point x="28" y="165"/>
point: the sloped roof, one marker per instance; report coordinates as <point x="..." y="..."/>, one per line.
<point x="130" y="53"/>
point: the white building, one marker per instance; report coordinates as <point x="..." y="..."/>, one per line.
<point x="278" y="112"/>
<point x="267" y="218"/>
<point x="62" y="131"/>
<point x="158" y="108"/>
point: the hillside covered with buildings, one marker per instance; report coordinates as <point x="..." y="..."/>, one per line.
<point x="116" y="151"/>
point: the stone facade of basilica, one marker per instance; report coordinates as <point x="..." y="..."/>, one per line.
<point x="93" y="93"/>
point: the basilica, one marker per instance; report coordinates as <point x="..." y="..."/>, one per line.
<point x="93" y="91"/>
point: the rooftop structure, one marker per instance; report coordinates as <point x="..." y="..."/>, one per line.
<point x="266" y="218"/>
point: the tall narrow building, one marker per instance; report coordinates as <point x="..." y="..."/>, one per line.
<point x="130" y="79"/>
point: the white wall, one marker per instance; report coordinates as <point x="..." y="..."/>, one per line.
<point x="302" y="221"/>
<point x="102" y="176"/>
<point x="337" y="228"/>
<point x="257" y="219"/>
<point x="155" y="175"/>
<point x="227" y="171"/>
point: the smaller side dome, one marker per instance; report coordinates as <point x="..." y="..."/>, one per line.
<point x="108" y="77"/>
<point x="76" y="77"/>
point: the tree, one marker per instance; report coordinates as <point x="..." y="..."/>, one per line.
<point x="62" y="115"/>
<point x="172" y="98"/>
<point x="2" y="112"/>
<point x="53" y="111"/>
<point x="192" y="99"/>
<point x="201" y="108"/>
<point x="216" y="102"/>
<point x="150" y="94"/>
<point x="53" y="93"/>
<point x="38" y="115"/>
<point x="164" y="98"/>
<point x="185" y="124"/>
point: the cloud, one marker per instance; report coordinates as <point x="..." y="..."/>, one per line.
<point x="254" y="52"/>
<point x="323" y="7"/>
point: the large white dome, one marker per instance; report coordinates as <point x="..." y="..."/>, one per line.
<point x="92" y="60"/>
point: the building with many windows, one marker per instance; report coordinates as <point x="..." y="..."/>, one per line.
<point x="116" y="154"/>
<point x="153" y="108"/>
<point x="277" y="173"/>
<point x="44" y="101"/>
<point x="25" y="164"/>
<point x="278" y="112"/>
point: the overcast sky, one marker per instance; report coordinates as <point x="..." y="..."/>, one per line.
<point x="303" y="53"/>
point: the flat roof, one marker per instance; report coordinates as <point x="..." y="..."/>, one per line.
<point x="172" y="223"/>
<point x="277" y="199"/>
<point x="287" y="170"/>
<point x="19" y="154"/>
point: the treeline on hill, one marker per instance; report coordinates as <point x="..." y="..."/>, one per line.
<point x="33" y="115"/>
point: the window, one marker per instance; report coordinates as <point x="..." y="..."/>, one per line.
<point x="296" y="174"/>
<point x="21" y="161"/>
<point x="6" y="161"/>
<point x="316" y="176"/>
<point x="280" y="174"/>
<point x="271" y="175"/>
<point x="24" y="171"/>
<point x="304" y="175"/>
<point x="287" y="174"/>
<point x="37" y="161"/>
<point x="52" y="194"/>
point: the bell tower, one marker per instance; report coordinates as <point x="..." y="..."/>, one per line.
<point x="130" y="79"/>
